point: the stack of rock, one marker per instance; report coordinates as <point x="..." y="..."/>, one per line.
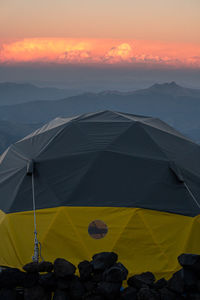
<point x="184" y="284"/>
<point x="99" y="279"/>
<point x="102" y="277"/>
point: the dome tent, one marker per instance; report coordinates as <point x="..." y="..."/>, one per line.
<point x="136" y="174"/>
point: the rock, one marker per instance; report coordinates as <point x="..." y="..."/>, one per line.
<point x="166" y="294"/>
<point x="176" y="283"/>
<point x="61" y="295"/>
<point x="48" y="281"/>
<point x="63" y="283"/>
<point x="45" y="266"/>
<point x="190" y="279"/>
<point x="161" y="283"/>
<point x="109" y="290"/>
<point x="147" y="294"/>
<point x="89" y="285"/>
<point x="123" y="268"/>
<point x="8" y="294"/>
<point x="36" y="293"/>
<point x="31" y="279"/>
<point x="142" y="280"/>
<point x="97" y="276"/>
<point x="116" y="273"/>
<point x="104" y="260"/>
<point x="76" y="289"/>
<point x="129" y="293"/>
<point x="31" y="267"/>
<point x="198" y="286"/>
<point x="182" y="281"/>
<point x="85" y="270"/>
<point x="63" y="268"/>
<point x="19" y="293"/>
<point x="193" y="296"/>
<point x="93" y="297"/>
<point x="190" y="261"/>
<point x="11" y="277"/>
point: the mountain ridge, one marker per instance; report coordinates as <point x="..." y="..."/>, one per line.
<point x="12" y="93"/>
<point x="181" y="112"/>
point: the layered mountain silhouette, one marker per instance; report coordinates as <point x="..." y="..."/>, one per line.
<point x="171" y="89"/>
<point x="13" y="93"/>
<point x="176" y="105"/>
<point x="11" y="132"/>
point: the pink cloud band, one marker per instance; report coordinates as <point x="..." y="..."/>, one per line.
<point x="63" y="50"/>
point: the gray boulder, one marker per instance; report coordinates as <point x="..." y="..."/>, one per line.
<point x="63" y="268"/>
<point x="142" y="280"/>
<point x="189" y="261"/>
<point x="104" y="260"/>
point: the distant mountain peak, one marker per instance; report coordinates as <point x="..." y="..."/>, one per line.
<point x="171" y="89"/>
<point x="166" y="85"/>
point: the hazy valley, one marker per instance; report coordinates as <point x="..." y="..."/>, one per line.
<point x="27" y="110"/>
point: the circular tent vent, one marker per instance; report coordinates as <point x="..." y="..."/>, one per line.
<point x="97" y="229"/>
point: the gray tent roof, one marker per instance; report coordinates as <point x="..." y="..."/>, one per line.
<point x="103" y="159"/>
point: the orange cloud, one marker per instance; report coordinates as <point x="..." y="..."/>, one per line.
<point x="102" y="51"/>
<point x="44" y="50"/>
<point x="122" y="52"/>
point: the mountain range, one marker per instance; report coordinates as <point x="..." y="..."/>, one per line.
<point x="14" y="93"/>
<point x="11" y="132"/>
<point x="176" y="105"/>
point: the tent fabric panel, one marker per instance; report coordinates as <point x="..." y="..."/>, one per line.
<point x="141" y="186"/>
<point x="81" y="180"/>
<point x="12" y="160"/>
<point x="70" y="141"/>
<point x="10" y="254"/>
<point x="57" y="122"/>
<point x="160" y="125"/>
<point x="2" y="216"/>
<point x="136" y="142"/>
<point x="9" y="190"/>
<point x="144" y="252"/>
<point x="31" y="147"/>
<point x="170" y="233"/>
<point x="102" y="133"/>
<point x="100" y="159"/>
<point x="133" y="117"/>
<point x="17" y="233"/>
<point x="103" y="116"/>
<point x="145" y="240"/>
<point x="55" y="180"/>
<point x="181" y="151"/>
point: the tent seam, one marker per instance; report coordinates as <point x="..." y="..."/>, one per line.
<point x="85" y="173"/>
<point x="153" y="140"/>
<point x="52" y="139"/>
<point x="119" y="136"/>
<point x="176" y="134"/>
<point x="153" y="237"/>
<point x="45" y="236"/>
<point x="17" y="190"/>
<point x="124" y="228"/>
<point x="76" y="231"/>
<point x="13" y="243"/>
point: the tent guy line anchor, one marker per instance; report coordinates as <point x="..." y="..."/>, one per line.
<point x="37" y="245"/>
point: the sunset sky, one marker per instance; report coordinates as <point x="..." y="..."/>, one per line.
<point x="132" y="33"/>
